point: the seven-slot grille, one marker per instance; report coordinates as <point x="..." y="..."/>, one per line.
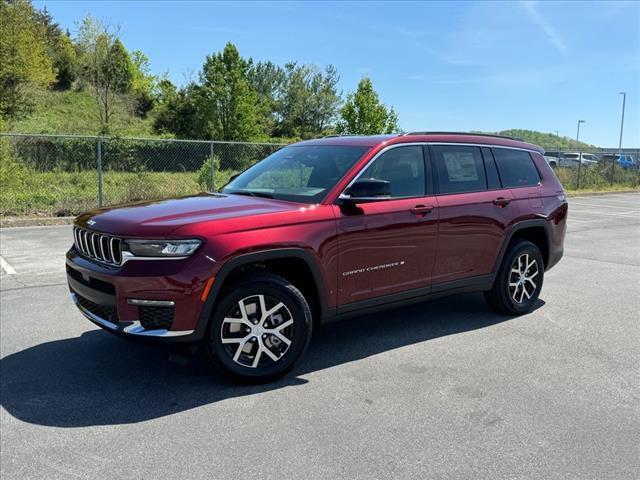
<point x="103" y="248"/>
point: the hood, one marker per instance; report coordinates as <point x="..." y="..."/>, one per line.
<point x="160" y="218"/>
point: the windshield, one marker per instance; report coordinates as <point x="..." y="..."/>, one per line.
<point x="301" y="173"/>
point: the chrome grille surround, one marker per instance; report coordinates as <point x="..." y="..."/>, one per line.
<point x="98" y="246"/>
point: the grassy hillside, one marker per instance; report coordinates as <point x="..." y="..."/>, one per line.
<point x="76" y="112"/>
<point x="547" y="140"/>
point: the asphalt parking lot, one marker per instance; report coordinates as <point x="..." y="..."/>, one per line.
<point x="445" y="389"/>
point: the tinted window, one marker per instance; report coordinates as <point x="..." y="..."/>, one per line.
<point x="297" y="173"/>
<point x="403" y="167"/>
<point x="458" y="168"/>
<point x="516" y="167"/>
<point x="572" y="156"/>
<point x="493" y="181"/>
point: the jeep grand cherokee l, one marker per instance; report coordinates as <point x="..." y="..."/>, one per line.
<point x="322" y="229"/>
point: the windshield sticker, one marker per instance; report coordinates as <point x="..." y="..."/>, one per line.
<point x="461" y="166"/>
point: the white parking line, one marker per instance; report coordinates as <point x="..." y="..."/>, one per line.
<point x="6" y="267"/>
<point x="620" y="199"/>
<point x="627" y="214"/>
<point x="609" y="205"/>
<point x="619" y="206"/>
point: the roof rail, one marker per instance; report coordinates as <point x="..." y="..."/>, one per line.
<point x="467" y="133"/>
<point x="333" y="135"/>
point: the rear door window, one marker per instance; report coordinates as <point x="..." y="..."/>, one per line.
<point x="516" y="168"/>
<point x="458" y="168"/>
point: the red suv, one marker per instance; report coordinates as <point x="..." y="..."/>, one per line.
<point x="322" y="229"/>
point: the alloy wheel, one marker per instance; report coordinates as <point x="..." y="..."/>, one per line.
<point x="522" y="285"/>
<point x="257" y="331"/>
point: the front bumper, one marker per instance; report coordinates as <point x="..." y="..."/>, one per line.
<point x="104" y="295"/>
<point x="127" y="327"/>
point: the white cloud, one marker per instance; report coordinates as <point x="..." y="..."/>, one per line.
<point x="536" y="17"/>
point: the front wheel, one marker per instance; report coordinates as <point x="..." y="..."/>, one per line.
<point x="259" y="330"/>
<point x="519" y="280"/>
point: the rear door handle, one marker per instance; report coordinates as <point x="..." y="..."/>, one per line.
<point x="501" y="201"/>
<point x="421" y="209"/>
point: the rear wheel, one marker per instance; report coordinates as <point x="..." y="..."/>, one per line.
<point x="519" y="280"/>
<point x="259" y="330"/>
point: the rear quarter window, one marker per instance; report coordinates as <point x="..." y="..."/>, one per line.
<point x="516" y="168"/>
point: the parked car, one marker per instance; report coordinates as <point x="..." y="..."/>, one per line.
<point x="552" y="161"/>
<point x="556" y="159"/>
<point x="625" y="161"/>
<point x="571" y="159"/>
<point x="319" y="230"/>
<point x="552" y="153"/>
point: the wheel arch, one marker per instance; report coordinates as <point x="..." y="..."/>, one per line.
<point x="534" y="230"/>
<point x="307" y="277"/>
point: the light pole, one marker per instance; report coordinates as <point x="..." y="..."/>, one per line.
<point x="613" y="164"/>
<point x="578" y="149"/>
<point x="558" y="147"/>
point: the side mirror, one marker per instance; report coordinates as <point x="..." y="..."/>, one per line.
<point x="367" y="190"/>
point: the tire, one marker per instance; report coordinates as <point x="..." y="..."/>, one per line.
<point x="513" y="294"/>
<point x="254" y="349"/>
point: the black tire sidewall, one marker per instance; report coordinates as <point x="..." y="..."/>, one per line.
<point x="300" y="312"/>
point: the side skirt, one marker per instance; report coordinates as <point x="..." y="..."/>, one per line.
<point x="472" y="284"/>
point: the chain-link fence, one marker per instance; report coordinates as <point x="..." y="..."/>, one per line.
<point x="60" y="175"/>
<point x="595" y="168"/>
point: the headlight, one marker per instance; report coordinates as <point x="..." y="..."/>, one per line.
<point x="162" y="248"/>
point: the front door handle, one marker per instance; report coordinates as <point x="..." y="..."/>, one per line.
<point x="421" y="210"/>
<point x="502" y="202"/>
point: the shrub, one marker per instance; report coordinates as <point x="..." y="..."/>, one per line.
<point x="205" y="179"/>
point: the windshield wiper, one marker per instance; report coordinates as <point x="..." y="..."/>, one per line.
<point x="250" y="193"/>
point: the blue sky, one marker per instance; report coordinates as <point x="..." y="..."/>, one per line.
<point x="443" y="66"/>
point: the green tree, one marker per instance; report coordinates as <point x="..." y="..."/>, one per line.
<point x="105" y="65"/>
<point x="295" y="101"/>
<point x="237" y="99"/>
<point x="60" y="50"/>
<point x="267" y="79"/>
<point x="180" y="113"/>
<point x="308" y="101"/>
<point x="64" y="62"/>
<point x="23" y="57"/>
<point x="117" y="70"/>
<point x="364" y="114"/>
<point x="164" y="90"/>
<point x="325" y="99"/>
<point x="143" y="84"/>
<point x="228" y="103"/>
